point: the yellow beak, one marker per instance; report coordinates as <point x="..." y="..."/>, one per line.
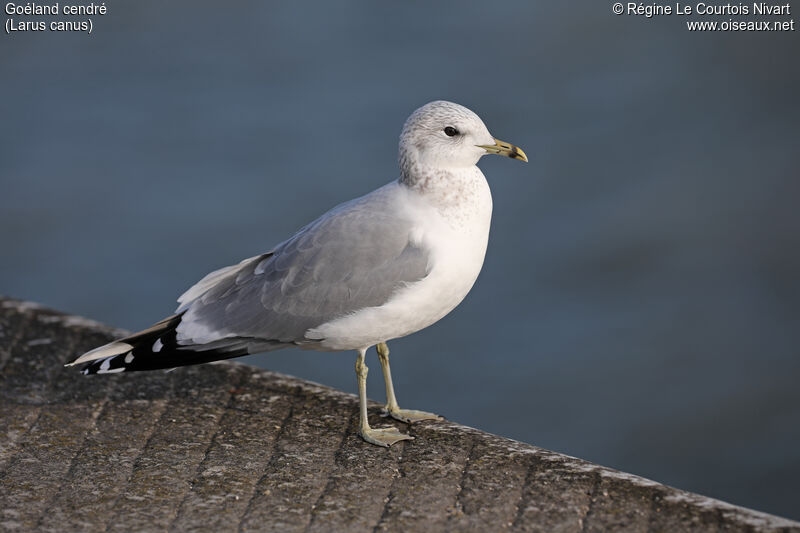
<point x="503" y="148"/>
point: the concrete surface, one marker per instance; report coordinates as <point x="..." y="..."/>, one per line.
<point x="229" y="447"/>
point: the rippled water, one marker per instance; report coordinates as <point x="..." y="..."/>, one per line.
<point x="639" y="302"/>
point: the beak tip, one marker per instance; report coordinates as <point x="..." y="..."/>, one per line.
<point x="517" y="153"/>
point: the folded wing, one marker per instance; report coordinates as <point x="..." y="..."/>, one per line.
<point x="355" y="256"/>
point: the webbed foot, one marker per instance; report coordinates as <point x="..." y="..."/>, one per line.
<point x="409" y="416"/>
<point x="385" y="436"/>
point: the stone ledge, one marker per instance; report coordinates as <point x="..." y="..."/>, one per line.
<point x="229" y="447"/>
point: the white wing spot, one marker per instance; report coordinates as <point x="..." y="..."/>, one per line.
<point x="129" y="358"/>
<point x="156" y="347"/>
<point x="107" y="350"/>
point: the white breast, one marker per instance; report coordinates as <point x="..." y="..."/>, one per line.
<point x="454" y="228"/>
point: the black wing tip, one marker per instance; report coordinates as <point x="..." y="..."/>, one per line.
<point x="157" y="348"/>
<point x="142" y="343"/>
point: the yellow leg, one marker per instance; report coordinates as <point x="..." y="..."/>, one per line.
<point x="385" y="436"/>
<point x="392" y="409"/>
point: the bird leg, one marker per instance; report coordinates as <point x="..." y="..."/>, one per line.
<point x="384" y="436"/>
<point x="392" y="409"/>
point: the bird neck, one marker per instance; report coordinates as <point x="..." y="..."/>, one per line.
<point x="458" y="193"/>
<point x="422" y="176"/>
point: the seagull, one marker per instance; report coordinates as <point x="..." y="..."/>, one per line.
<point x="370" y="270"/>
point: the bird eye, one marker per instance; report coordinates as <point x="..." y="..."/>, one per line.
<point x="450" y="131"/>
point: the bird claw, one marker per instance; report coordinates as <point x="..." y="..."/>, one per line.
<point x="409" y="416"/>
<point x="385" y="436"/>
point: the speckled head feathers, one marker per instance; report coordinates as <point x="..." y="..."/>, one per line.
<point x="442" y="135"/>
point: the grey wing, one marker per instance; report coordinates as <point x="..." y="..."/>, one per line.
<point x="353" y="257"/>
